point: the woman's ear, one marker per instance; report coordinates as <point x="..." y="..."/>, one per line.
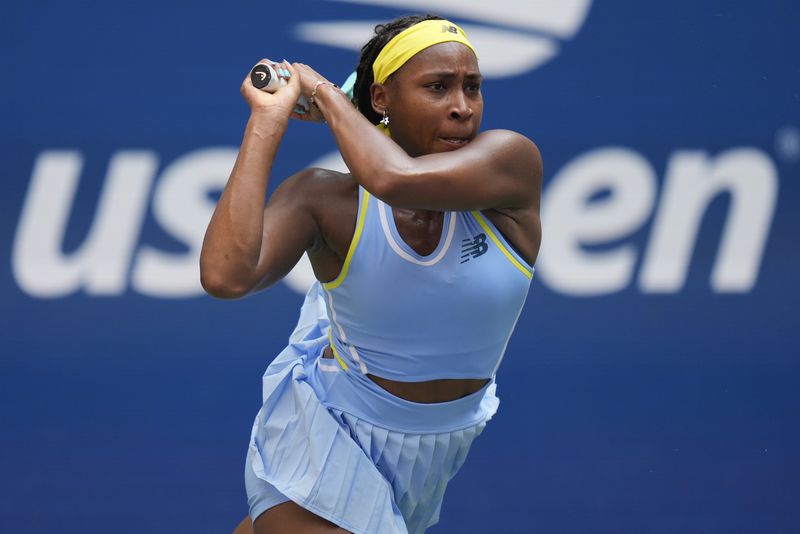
<point x="380" y="98"/>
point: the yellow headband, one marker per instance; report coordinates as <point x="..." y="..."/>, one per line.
<point x="412" y="41"/>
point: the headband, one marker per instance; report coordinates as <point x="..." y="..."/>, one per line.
<point x="412" y="41"/>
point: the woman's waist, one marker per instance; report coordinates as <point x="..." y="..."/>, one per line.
<point x="422" y="391"/>
<point x="431" y="391"/>
<point x="431" y="406"/>
<point x="434" y="369"/>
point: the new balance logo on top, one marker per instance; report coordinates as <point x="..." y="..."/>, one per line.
<point x="473" y="247"/>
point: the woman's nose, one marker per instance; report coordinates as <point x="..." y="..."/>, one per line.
<point x="460" y="108"/>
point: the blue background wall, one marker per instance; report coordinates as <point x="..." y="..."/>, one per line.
<point x="624" y="408"/>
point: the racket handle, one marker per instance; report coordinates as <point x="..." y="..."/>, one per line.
<point x="265" y="78"/>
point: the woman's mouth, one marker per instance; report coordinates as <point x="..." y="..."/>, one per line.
<point x="455" y="141"/>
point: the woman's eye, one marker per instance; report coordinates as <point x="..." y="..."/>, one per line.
<point x="473" y="87"/>
<point x="437" y="86"/>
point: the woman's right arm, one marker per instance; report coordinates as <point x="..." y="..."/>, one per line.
<point x="249" y="246"/>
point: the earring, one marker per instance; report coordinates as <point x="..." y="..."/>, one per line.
<point x="385" y="119"/>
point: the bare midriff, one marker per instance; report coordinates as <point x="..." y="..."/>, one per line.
<point x="430" y="391"/>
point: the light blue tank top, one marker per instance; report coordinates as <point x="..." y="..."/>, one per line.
<point x="406" y="317"/>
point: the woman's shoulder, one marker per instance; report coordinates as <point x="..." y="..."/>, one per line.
<point x="509" y="139"/>
<point x="314" y="184"/>
<point x="511" y="150"/>
<point x="329" y="196"/>
<point x="319" y="178"/>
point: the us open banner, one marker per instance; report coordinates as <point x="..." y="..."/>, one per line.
<point x="651" y="385"/>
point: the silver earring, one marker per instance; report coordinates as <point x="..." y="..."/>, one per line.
<point x="385" y="119"/>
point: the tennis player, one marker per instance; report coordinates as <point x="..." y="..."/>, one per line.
<point x="424" y="255"/>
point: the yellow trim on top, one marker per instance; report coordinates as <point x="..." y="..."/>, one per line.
<point x="524" y="270"/>
<point x="336" y="352"/>
<point x="362" y="215"/>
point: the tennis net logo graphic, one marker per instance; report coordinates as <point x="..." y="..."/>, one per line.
<point x="512" y="36"/>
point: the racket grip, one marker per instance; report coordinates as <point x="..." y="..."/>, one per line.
<point x="265" y="78"/>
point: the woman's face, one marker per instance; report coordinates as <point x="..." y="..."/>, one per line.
<point x="434" y="101"/>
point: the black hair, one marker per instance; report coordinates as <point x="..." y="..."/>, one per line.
<point x="362" y="97"/>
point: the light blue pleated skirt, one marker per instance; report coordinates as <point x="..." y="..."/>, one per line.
<point x="340" y="446"/>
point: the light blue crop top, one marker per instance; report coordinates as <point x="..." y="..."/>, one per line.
<point x="406" y="317"/>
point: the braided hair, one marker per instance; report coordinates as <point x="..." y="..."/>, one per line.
<point x="362" y="97"/>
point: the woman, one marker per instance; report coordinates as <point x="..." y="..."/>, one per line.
<point x="423" y="253"/>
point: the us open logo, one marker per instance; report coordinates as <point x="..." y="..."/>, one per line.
<point x="512" y="36"/>
<point x="587" y="251"/>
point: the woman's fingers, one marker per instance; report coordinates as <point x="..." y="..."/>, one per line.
<point x="294" y="78"/>
<point x="297" y="83"/>
<point x="285" y="96"/>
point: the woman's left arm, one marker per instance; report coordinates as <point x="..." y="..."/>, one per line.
<point x="497" y="169"/>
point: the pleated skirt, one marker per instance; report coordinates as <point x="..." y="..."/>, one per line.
<point x="340" y="446"/>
